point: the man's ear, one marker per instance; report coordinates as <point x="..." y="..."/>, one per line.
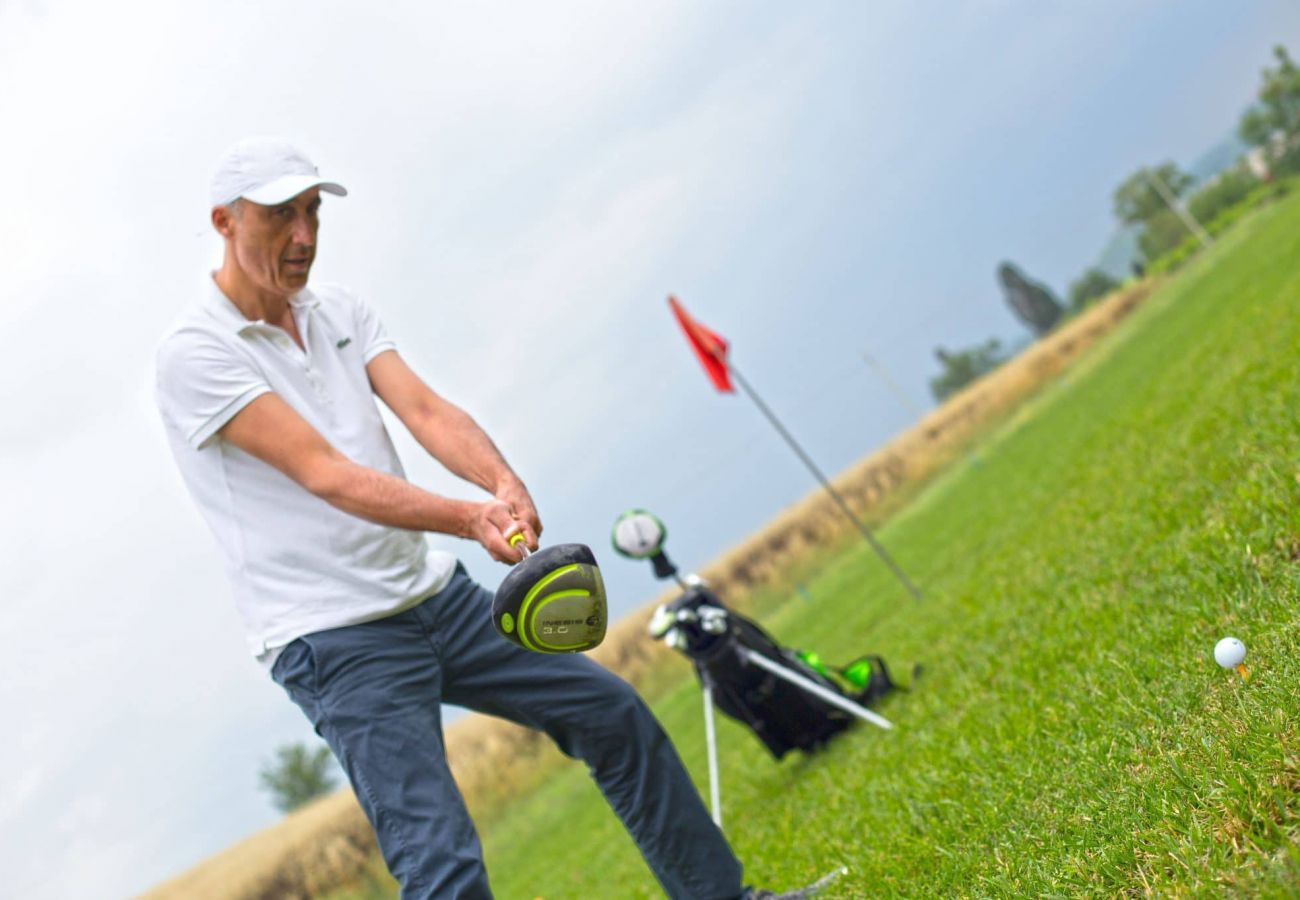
<point x="222" y="221"/>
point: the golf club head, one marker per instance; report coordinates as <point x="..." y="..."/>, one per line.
<point x="694" y="623"/>
<point x="553" y="601"/>
<point x="639" y="534"/>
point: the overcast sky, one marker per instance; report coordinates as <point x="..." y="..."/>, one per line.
<point x="529" y="181"/>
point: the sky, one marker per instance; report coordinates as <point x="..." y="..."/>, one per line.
<point x="528" y="183"/>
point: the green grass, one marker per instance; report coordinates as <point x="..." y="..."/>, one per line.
<point x="1072" y="734"/>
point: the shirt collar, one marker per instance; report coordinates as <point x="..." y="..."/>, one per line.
<point x="221" y="308"/>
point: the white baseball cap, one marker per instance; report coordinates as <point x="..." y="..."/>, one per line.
<point x="266" y="170"/>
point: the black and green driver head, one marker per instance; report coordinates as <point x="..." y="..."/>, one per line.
<point x="553" y="601"/>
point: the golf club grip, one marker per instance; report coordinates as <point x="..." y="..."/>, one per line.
<point x="520" y="543"/>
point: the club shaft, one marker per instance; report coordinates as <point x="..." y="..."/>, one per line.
<point x="711" y="744"/>
<point x="814" y="688"/>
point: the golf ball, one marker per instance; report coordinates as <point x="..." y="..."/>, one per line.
<point x="1229" y="652"/>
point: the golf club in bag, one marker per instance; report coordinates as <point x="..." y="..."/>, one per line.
<point x="788" y="699"/>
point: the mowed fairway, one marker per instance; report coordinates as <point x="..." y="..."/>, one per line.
<point x="1071" y="733"/>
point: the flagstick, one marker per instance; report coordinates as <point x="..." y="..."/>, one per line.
<point x="812" y="467"/>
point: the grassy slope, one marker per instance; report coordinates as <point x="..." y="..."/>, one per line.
<point x="1071" y="733"/>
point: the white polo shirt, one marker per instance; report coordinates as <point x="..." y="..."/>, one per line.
<point x="297" y="564"/>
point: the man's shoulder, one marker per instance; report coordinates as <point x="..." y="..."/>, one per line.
<point x="198" y="337"/>
<point x="194" y="327"/>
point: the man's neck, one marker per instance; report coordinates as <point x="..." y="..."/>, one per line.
<point x="251" y="300"/>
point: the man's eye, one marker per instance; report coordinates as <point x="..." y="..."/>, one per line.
<point x="284" y="212"/>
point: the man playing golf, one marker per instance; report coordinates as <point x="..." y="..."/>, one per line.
<point x="267" y="391"/>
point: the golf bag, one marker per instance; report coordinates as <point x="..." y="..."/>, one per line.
<point x="784" y="715"/>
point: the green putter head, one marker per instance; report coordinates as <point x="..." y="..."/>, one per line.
<point x="553" y="601"/>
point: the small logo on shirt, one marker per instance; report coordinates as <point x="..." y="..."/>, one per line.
<point x="343" y="343"/>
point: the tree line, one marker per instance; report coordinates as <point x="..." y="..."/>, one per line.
<point x="1156" y="200"/>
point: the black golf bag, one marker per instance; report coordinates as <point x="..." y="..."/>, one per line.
<point x="782" y="714"/>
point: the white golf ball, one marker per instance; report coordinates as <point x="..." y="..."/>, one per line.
<point x="1229" y="652"/>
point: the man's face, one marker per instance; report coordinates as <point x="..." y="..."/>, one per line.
<point x="275" y="246"/>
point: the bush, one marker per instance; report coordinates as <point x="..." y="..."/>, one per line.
<point x="1262" y="193"/>
<point x="1092" y="284"/>
<point x="1223" y="193"/>
<point x="296" y="775"/>
<point x="1164" y="232"/>
<point x="1166" y="238"/>
<point x="961" y="367"/>
<point x="1287" y="164"/>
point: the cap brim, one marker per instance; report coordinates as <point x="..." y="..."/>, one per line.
<point x="290" y="186"/>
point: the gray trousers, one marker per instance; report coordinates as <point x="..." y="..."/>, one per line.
<point x="374" y="691"/>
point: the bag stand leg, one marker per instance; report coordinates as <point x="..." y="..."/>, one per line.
<point x="813" y="688"/>
<point x="711" y="742"/>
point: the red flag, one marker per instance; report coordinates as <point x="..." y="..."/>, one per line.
<point x="710" y="347"/>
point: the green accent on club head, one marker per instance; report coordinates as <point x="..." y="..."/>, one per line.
<point x="527" y="603"/>
<point x="507" y="623"/>
<point x="547" y="645"/>
<point x="578" y="590"/>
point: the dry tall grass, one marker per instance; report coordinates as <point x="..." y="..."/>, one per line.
<point x="326" y="844"/>
<point x="309" y="852"/>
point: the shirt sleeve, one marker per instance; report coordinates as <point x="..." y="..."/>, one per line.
<point x="202" y="383"/>
<point x="371" y="333"/>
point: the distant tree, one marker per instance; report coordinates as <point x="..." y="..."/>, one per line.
<point x="1137" y="201"/>
<point x="961" y="367"/>
<point x="1273" y="123"/>
<point x="1032" y="302"/>
<point x="1277" y="114"/>
<point x="1090" y="285"/>
<point x="297" y="775"/>
<point x="1162" y="234"/>
<point x="1223" y="193"/>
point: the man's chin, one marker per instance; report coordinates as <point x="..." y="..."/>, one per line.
<point x="294" y="281"/>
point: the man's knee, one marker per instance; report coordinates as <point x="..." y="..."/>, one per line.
<point x="621" y="725"/>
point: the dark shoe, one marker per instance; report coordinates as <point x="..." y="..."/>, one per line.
<point x="798" y="894"/>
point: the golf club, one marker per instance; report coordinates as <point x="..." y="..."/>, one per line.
<point x="552" y="601"/>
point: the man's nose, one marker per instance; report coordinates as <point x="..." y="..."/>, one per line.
<point x="303" y="232"/>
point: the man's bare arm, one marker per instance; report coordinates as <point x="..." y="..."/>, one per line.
<point x="450" y="436"/>
<point x="271" y="430"/>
